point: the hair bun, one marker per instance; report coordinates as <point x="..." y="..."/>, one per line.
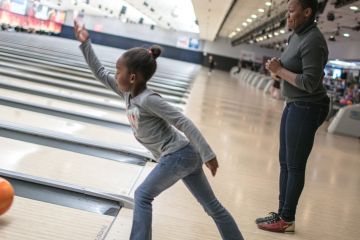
<point x="156" y="51"/>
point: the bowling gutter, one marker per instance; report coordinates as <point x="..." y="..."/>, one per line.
<point x="71" y="143"/>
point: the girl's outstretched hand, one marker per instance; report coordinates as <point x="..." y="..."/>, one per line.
<point x="213" y="165"/>
<point x="81" y="33"/>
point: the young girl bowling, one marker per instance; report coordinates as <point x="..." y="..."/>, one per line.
<point x="153" y="120"/>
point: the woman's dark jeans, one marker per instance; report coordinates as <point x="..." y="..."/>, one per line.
<point x="299" y="123"/>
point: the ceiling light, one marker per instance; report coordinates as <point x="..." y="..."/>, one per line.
<point x="282" y="31"/>
<point x="261" y="38"/>
<point x="346" y="35"/>
<point x="354" y="8"/>
<point x="270" y="35"/>
<point x="261" y="10"/>
<point x="268" y="4"/>
<point x="232" y="34"/>
<point x="249" y="20"/>
<point x="253" y="16"/>
<point x="244" y="24"/>
<point x="276" y="33"/>
<point x="238" y="29"/>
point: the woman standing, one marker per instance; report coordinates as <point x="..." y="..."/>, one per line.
<point x="301" y="69"/>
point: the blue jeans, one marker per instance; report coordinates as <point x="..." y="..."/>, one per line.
<point x="183" y="164"/>
<point x="299" y="123"/>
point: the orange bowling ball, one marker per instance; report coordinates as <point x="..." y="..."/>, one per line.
<point x="6" y="195"/>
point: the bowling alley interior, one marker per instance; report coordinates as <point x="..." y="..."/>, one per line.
<point x="179" y="119"/>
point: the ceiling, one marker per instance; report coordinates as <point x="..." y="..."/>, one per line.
<point x="213" y="18"/>
<point x="198" y="16"/>
<point x="345" y="21"/>
<point x="210" y="15"/>
<point x="176" y="15"/>
<point x="242" y="13"/>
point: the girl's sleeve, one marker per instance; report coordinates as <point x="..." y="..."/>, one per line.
<point x="98" y="69"/>
<point x="156" y="105"/>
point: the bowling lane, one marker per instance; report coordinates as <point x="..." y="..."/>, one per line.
<point x="69" y="167"/>
<point x="65" y="106"/>
<point x="108" y="55"/>
<point x="60" y="125"/>
<point x="165" y="65"/>
<point x="73" y="90"/>
<point x="64" y="75"/>
<point x="59" y="78"/>
<point x="65" y="92"/>
<point x="43" y="68"/>
<point x="176" y="76"/>
<point x="163" y="75"/>
<point x="35" y="220"/>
